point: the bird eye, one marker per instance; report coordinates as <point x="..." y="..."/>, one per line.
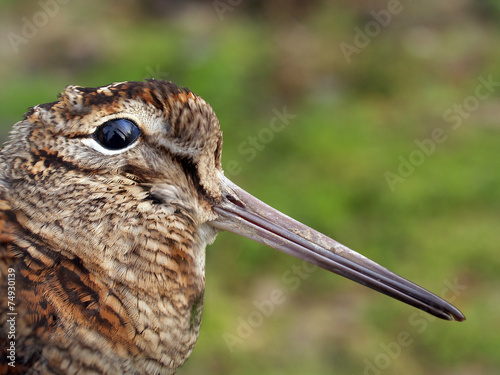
<point x="117" y="134"/>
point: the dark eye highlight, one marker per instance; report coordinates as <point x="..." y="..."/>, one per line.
<point x="117" y="134"/>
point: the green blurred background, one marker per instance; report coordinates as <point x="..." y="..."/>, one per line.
<point x="363" y="96"/>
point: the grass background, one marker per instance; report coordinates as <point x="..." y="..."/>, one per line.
<point x="355" y="118"/>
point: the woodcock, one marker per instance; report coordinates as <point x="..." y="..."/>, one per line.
<point x="108" y="198"/>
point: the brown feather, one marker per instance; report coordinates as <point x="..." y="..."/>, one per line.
<point x="108" y="251"/>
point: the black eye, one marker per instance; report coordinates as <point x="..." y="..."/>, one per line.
<point x="117" y="134"/>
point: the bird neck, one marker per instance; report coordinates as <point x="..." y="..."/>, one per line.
<point x="121" y="316"/>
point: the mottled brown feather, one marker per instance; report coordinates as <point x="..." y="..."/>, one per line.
<point x="108" y="251"/>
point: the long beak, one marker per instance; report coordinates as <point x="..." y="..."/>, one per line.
<point x="243" y="214"/>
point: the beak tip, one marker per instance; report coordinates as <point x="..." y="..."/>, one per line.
<point x="454" y="314"/>
<point x="460" y="317"/>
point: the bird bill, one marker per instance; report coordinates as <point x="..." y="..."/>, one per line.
<point x="242" y="214"/>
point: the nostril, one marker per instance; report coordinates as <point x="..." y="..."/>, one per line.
<point x="235" y="201"/>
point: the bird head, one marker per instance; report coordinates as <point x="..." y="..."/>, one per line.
<point x="94" y="169"/>
<point x="111" y="190"/>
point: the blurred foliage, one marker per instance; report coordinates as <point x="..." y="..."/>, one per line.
<point x="354" y="121"/>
